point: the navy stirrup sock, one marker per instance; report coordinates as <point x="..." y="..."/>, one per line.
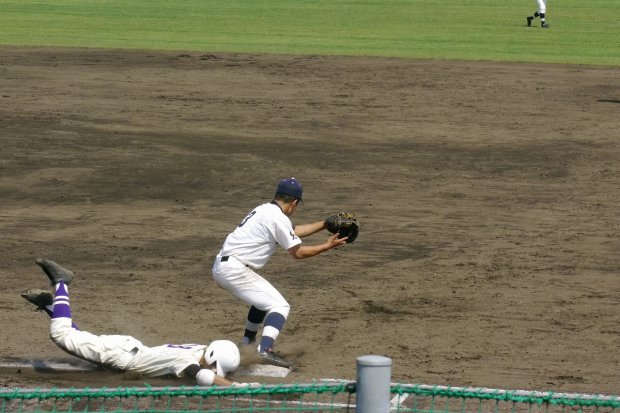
<point x="275" y="320"/>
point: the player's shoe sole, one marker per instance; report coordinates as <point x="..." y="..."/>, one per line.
<point x="40" y="298"/>
<point x="54" y="271"/>
<point x="269" y="357"/>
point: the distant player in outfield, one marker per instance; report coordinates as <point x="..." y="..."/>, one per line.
<point x="249" y="247"/>
<point x="541" y="12"/>
<point x="208" y="364"/>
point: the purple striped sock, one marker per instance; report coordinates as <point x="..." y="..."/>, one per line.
<point x="61" y="302"/>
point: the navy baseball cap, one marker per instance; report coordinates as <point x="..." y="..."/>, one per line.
<point x="290" y="186"/>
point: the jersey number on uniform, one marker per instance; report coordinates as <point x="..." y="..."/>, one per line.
<point x="250" y="215"/>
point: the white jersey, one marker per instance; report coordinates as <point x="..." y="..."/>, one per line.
<point x="255" y="239"/>
<point x="125" y="352"/>
<point x="168" y="359"/>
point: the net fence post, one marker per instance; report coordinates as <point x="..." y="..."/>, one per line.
<point x="373" y="384"/>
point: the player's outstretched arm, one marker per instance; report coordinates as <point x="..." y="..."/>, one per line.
<point x="308" y="229"/>
<point x="217" y="380"/>
<point x="205" y="377"/>
<point x="306" y="251"/>
<point x="221" y="381"/>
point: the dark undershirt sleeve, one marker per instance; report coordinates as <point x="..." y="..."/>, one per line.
<point x="191" y="370"/>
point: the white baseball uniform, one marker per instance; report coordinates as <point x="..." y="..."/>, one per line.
<point x="542" y="6"/>
<point x="249" y="247"/>
<point x="125" y="352"/>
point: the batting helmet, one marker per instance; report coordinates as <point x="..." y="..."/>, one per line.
<point x="225" y="355"/>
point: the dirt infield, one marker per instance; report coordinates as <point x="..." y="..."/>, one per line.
<point x="488" y="193"/>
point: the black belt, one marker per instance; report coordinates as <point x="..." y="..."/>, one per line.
<point x="226" y="257"/>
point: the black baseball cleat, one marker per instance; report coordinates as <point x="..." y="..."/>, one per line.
<point x="545" y="26"/>
<point x="55" y="272"/>
<point x="529" y="21"/>
<point x="40" y="298"/>
<point x="269" y="357"/>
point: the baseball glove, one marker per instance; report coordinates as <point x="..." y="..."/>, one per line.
<point x="345" y="224"/>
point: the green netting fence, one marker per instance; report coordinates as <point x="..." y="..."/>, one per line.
<point x="311" y="397"/>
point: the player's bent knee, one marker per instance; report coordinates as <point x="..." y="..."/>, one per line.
<point x="283" y="310"/>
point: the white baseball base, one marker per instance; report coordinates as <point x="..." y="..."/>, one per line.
<point x="263" y="370"/>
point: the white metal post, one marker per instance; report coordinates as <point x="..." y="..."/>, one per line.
<point x="374" y="375"/>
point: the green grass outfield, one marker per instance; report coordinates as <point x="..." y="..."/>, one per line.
<point x="582" y="31"/>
